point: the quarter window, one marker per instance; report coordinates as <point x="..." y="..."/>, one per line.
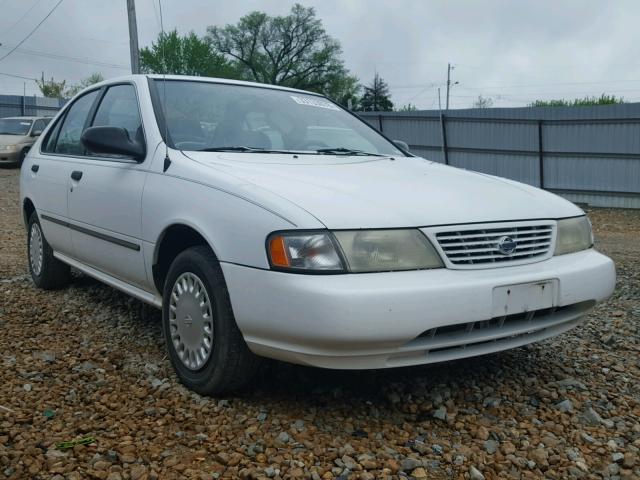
<point x="68" y="141"/>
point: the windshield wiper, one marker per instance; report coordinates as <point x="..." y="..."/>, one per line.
<point x="346" y="151"/>
<point x="242" y="148"/>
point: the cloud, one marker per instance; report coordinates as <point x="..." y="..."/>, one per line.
<point x="512" y="51"/>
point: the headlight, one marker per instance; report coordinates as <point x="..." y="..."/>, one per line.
<point x="353" y="251"/>
<point x="387" y="250"/>
<point x="299" y="251"/>
<point x="574" y="234"/>
<point x="8" y="148"/>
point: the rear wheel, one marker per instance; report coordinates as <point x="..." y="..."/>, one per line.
<point x="46" y="271"/>
<point x="205" y="346"/>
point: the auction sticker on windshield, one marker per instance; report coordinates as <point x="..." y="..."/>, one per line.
<point x="314" y="102"/>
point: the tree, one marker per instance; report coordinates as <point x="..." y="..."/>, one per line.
<point x="82" y="84"/>
<point x="483" y="102"/>
<point x="185" y="55"/>
<point x="376" y="96"/>
<point x="343" y="89"/>
<point x="603" y="99"/>
<point x="292" y="50"/>
<point x="51" y="88"/>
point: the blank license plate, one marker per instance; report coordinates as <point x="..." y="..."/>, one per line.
<point x="513" y="299"/>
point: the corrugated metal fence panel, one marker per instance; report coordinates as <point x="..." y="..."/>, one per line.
<point x="413" y="131"/>
<point x="12" y="106"/>
<point x="592" y="174"/>
<point x="589" y="153"/>
<point x="514" y="167"/>
<point x="494" y="135"/>
<point x="601" y="137"/>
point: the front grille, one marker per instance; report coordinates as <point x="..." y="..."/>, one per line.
<point x="481" y="245"/>
<point x="504" y="329"/>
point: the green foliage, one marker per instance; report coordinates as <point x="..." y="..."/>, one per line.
<point x="51" y="88"/>
<point x="376" y="96"/>
<point x="409" y="107"/>
<point x="603" y="99"/>
<point x="184" y="55"/>
<point x="292" y="50"/>
<point x="87" y="82"/>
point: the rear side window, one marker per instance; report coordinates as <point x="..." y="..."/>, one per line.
<point x="68" y="138"/>
<point x="119" y="108"/>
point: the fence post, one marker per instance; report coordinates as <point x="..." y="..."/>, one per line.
<point x="445" y="148"/>
<point x="380" y="123"/>
<point x="540" y="154"/>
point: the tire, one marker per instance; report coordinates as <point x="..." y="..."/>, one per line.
<point x="46" y="271"/>
<point x="228" y="364"/>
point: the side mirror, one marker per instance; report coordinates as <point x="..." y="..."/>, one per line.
<point x="36" y="133"/>
<point x="113" y="141"/>
<point x="401" y="145"/>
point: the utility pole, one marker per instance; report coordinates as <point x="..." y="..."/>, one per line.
<point x="133" y="37"/>
<point x="449" y="84"/>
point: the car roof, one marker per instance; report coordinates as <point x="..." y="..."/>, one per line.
<point x="204" y="79"/>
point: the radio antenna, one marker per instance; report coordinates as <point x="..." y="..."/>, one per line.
<point x="167" y="160"/>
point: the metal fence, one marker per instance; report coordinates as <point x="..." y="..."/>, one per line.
<point x="17" y="105"/>
<point x="588" y="154"/>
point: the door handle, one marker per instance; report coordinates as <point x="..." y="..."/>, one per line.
<point x="35" y="168"/>
<point x="76" y="175"/>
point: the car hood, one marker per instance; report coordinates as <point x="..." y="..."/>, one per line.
<point x="380" y="192"/>
<point x="13" y="139"/>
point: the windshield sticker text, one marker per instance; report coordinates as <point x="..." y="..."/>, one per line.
<point x="314" y="102"/>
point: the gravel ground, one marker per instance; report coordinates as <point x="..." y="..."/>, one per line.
<point x="89" y="361"/>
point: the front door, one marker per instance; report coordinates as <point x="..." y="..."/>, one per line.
<point x="105" y="196"/>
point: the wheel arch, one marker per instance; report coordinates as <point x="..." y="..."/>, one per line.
<point x="173" y="240"/>
<point x="27" y="210"/>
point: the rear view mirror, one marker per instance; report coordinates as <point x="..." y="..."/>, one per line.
<point x="113" y="141"/>
<point x="401" y="145"/>
<point x="36" y="133"/>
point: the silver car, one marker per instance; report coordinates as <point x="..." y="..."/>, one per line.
<point x="17" y="135"/>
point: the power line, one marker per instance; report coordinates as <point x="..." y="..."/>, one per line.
<point x="32" y="31"/>
<point x="17" y="76"/>
<point x="82" y="60"/>
<point x="35" y="4"/>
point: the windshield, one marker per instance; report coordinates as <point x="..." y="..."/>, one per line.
<point x="215" y="116"/>
<point x="14" y="126"/>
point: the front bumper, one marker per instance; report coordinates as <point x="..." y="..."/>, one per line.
<point x="379" y="320"/>
<point x="7" y="156"/>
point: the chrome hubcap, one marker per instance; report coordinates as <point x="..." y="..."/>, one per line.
<point x="35" y="249"/>
<point x="191" y="321"/>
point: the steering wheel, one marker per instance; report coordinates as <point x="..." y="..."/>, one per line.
<point x="181" y="139"/>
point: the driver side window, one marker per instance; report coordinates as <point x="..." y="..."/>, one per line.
<point x="119" y="108"/>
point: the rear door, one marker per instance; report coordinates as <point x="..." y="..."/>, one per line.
<point x="106" y="195"/>
<point x="49" y="172"/>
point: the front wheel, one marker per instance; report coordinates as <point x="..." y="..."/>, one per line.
<point x="46" y="271"/>
<point x="205" y="346"/>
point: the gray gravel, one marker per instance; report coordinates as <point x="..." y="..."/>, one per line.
<point x="89" y="361"/>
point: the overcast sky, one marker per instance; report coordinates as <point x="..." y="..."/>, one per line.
<point x="511" y="51"/>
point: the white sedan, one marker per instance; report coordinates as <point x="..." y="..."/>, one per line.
<point x="267" y="221"/>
